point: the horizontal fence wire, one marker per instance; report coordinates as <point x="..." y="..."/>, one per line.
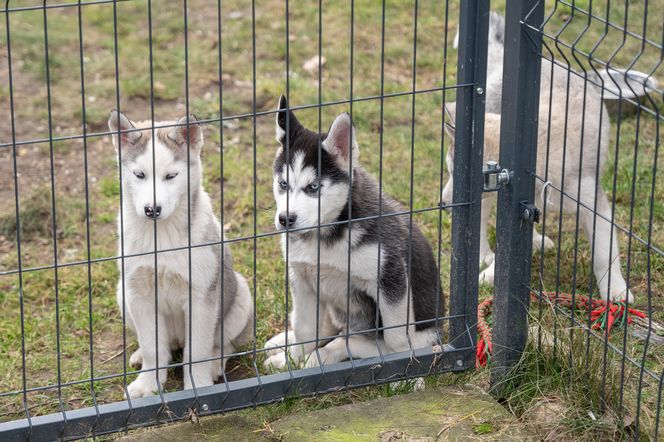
<point x="247" y="115"/>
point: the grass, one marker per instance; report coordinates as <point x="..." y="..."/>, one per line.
<point x="44" y="330"/>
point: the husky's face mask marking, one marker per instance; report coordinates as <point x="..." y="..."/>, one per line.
<point x="298" y="182"/>
<point x="155" y="192"/>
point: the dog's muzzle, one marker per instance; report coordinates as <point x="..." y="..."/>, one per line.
<point x="152" y="211"/>
<point x="287" y="221"/>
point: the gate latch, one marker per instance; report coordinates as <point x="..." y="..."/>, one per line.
<point x="495" y="177"/>
<point x="529" y="213"/>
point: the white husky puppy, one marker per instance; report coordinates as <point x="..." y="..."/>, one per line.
<point x="573" y="131"/>
<point x="160" y="198"/>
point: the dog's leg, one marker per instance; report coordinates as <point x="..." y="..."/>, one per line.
<point x="486" y="254"/>
<point x="486" y="275"/>
<point x="605" y="249"/>
<point x="147" y="382"/>
<point x="398" y="317"/>
<point x="136" y="358"/>
<point x="199" y="345"/>
<point x="304" y="326"/>
<point x="537" y="241"/>
<point x="337" y="351"/>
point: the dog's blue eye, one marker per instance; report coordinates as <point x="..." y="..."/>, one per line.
<point x="139" y="175"/>
<point x="313" y="187"/>
<point x="170" y="176"/>
<point x="283" y="184"/>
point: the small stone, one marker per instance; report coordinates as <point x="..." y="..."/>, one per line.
<point x="312" y="64"/>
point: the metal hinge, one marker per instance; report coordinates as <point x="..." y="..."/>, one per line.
<point x="495" y="177"/>
<point x="529" y="213"/>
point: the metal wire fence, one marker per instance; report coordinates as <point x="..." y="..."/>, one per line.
<point x="301" y="274"/>
<point x="71" y="350"/>
<point x="596" y="172"/>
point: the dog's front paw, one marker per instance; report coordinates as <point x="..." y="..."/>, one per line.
<point x="143" y="386"/>
<point x="619" y="295"/>
<point x="136" y="358"/>
<point x="316" y="360"/>
<point x="199" y="381"/>
<point x="276" y="344"/>
<point x="275" y="362"/>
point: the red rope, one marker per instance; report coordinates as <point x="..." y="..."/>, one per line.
<point x="603" y="316"/>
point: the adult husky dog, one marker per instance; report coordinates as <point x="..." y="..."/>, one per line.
<point x="160" y="198"/>
<point x="574" y="130"/>
<point x="399" y="293"/>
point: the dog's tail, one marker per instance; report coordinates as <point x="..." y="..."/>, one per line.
<point x="621" y="84"/>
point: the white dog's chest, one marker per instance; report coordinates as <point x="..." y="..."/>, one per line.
<point x="169" y="286"/>
<point x="176" y="264"/>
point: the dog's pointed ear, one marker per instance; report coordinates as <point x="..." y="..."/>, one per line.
<point x="117" y="121"/>
<point x="341" y="142"/>
<point x="193" y="133"/>
<point x="449" y="119"/>
<point x="286" y="121"/>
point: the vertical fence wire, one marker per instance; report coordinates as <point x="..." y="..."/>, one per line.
<point x="56" y="279"/>
<point x="87" y="220"/>
<point x="154" y="221"/>
<point x="593" y="236"/>
<point x="319" y="170"/>
<point x="19" y="262"/>
<point x="380" y="181"/>
<point x="122" y="285"/>
<point x="287" y="139"/>
<point x="409" y="261"/>
<point x="189" y="320"/>
<point x="582" y="146"/>
<point x="350" y="189"/>
<point x="651" y="207"/>
<point x="441" y="181"/>
<point x="222" y="252"/>
<point x="255" y="198"/>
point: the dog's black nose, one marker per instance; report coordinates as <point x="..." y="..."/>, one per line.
<point x="152" y="212"/>
<point x="287" y="221"/>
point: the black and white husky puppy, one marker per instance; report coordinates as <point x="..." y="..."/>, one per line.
<point x="399" y="293"/>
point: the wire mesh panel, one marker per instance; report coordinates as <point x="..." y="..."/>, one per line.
<point x="596" y="186"/>
<point x="158" y="263"/>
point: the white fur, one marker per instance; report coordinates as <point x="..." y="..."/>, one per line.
<point x="136" y="288"/>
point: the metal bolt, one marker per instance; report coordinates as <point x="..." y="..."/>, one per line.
<point x="479" y="91"/>
<point x="205" y="407"/>
<point x="459" y="363"/>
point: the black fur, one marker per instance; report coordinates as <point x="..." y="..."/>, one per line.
<point x="392" y="232"/>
